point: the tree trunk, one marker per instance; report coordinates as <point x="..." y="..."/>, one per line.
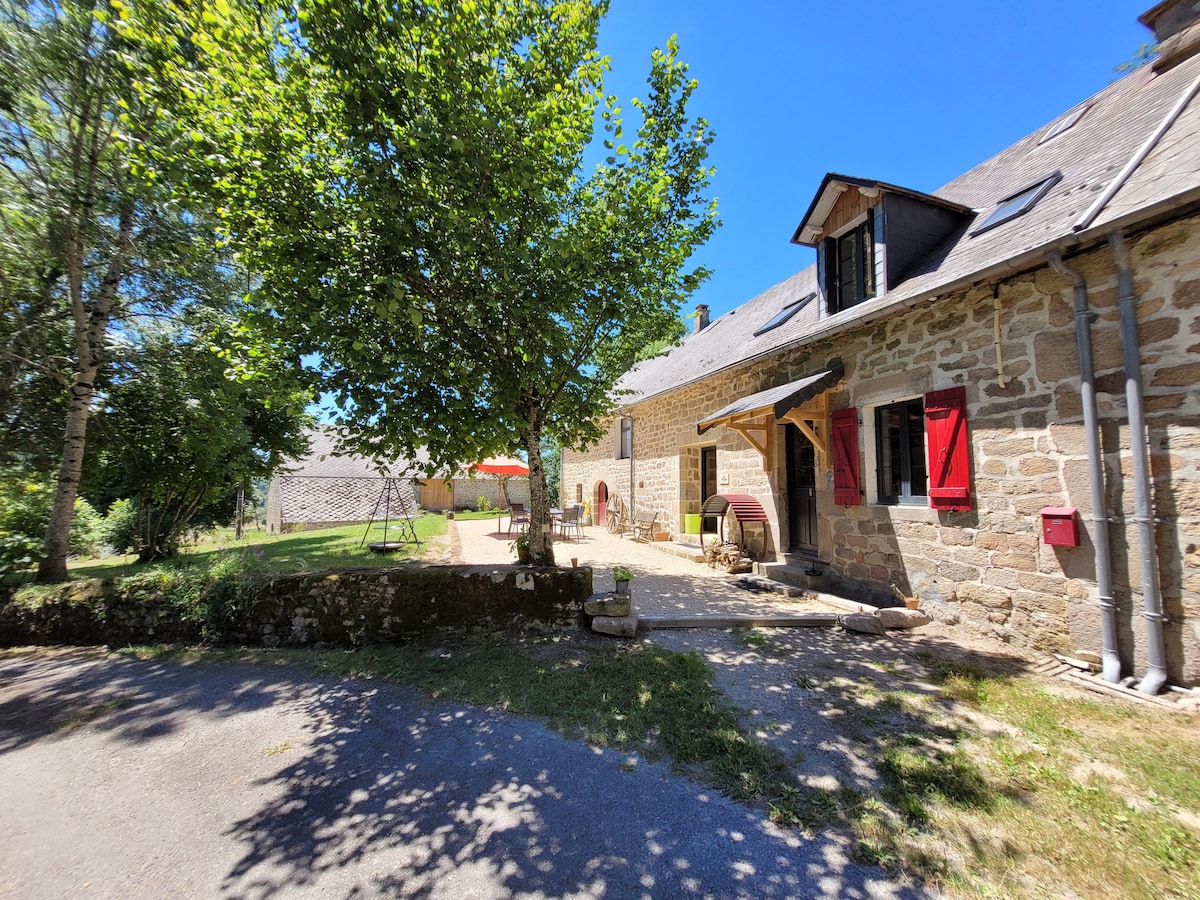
<point x="91" y="329"/>
<point x="541" y="551"/>
<point x="53" y="566"/>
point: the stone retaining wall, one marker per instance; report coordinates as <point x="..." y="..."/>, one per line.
<point x="347" y="608"/>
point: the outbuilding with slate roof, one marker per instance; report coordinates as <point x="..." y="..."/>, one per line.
<point x="324" y="489"/>
<point x="987" y="395"/>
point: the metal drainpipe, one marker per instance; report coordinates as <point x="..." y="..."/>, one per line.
<point x="1110" y="657"/>
<point x="632" y="507"/>
<point x="1156" y="677"/>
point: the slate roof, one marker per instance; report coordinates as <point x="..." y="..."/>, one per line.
<point x="322" y="444"/>
<point x="1090" y="155"/>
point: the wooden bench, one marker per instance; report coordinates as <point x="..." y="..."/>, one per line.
<point x="644" y="525"/>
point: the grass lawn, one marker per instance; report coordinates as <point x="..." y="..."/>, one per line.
<point x="469" y="515"/>
<point x="305" y="550"/>
<point x="1000" y="786"/>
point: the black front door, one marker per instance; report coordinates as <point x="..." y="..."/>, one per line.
<point x="708" y="484"/>
<point x="802" y="493"/>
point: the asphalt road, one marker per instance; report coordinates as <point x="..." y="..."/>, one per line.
<point x="128" y="778"/>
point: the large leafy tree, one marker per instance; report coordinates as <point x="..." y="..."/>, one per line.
<point x="63" y="144"/>
<point x="466" y="282"/>
<point x="97" y="206"/>
<point x="177" y="436"/>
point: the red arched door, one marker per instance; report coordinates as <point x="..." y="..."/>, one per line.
<point x="601" y="517"/>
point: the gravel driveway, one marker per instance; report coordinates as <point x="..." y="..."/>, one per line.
<point x="130" y="778"/>
<point x="662" y="583"/>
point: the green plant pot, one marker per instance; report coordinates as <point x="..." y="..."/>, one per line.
<point x="691" y="523"/>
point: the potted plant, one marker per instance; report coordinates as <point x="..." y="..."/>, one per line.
<point x="912" y="602"/>
<point x="621" y="578"/>
<point x="521" y="547"/>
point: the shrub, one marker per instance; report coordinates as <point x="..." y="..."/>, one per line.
<point x="24" y="510"/>
<point x="119" y="530"/>
<point x="483" y="504"/>
<point x="87" y="537"/>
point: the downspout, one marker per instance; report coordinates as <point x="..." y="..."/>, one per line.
<point x="1110" y="657"/>
<point x="1156" y="677"/>
<point x="632" y="507"/>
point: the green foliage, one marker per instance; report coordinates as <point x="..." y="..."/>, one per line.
<point x="552" y="466"/>
<point x="24" y="508"/>
<point x="86" y="529"/>
<point x="309" y="550"/>
<point x="620" y="573"/>
<point x="103" y="219"/>
<point x="483" y="504"/>
<point x="1144" y="55"/>
<point x="120" y="527"/>
<point x="441" y="150"/>
<point x="179" y="432"/>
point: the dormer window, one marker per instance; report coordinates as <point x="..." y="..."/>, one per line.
<point x="1017" y="204"/>
<point x="784" y="314"/>
<point x="870" y="236"/>
<point x="850" y="265"/>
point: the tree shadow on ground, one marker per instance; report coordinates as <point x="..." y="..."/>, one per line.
<point x="835" y="702"/>
<point x="383" y="792"/>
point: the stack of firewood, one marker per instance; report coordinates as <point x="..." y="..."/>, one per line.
<point x="728" y="556"/>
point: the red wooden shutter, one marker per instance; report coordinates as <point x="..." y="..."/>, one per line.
<point x="845" y="457"/>
<point x="949" y="463"/>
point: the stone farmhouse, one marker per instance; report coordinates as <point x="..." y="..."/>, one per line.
<point x="988" y="395"/>
<point x="324" y="489"/>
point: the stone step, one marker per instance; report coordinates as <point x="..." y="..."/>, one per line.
<point x="795" y="574"/>
<point x="611" y="605"/>
<point x="719" y="620"/>
<point x="618" y="626"/>
<point x="679" y="548"/>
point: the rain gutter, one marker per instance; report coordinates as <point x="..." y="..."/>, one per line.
<point x="1110" y="657"/>
<point x="1156" y="676"/>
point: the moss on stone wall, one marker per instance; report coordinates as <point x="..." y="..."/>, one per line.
<point x="345" y="608"/>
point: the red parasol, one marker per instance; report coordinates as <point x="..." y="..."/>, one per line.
<point x="501" y="467"/>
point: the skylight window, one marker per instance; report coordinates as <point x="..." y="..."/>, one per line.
<point x="1063" y="124"/>
<point x="1017" y="204"/>
<point x="784" y="314"/>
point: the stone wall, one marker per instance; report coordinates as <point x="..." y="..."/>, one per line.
<point x="467" y="491"/>
<point x="987" y="567"/>
<point x="347" y="608"/>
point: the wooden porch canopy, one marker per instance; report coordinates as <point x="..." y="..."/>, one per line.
<point x="800" y="402"/>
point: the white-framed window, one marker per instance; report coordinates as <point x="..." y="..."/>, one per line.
<point x="624" y="437"/>
<point x="900" y="470"/>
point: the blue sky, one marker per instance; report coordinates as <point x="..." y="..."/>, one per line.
<point x="913" y="93"/>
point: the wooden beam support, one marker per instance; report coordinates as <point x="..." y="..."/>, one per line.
<point x="757" y="434"/>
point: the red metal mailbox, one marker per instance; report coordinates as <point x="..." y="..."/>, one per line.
<point x="1060" y="526"/>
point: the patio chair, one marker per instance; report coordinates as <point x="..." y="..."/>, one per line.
<point x="571" y="520"/>
<point x="517" y="515"/>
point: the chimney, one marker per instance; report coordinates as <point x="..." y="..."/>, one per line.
<point x="701" y="320"/>
<point x="1176" y="27"/>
